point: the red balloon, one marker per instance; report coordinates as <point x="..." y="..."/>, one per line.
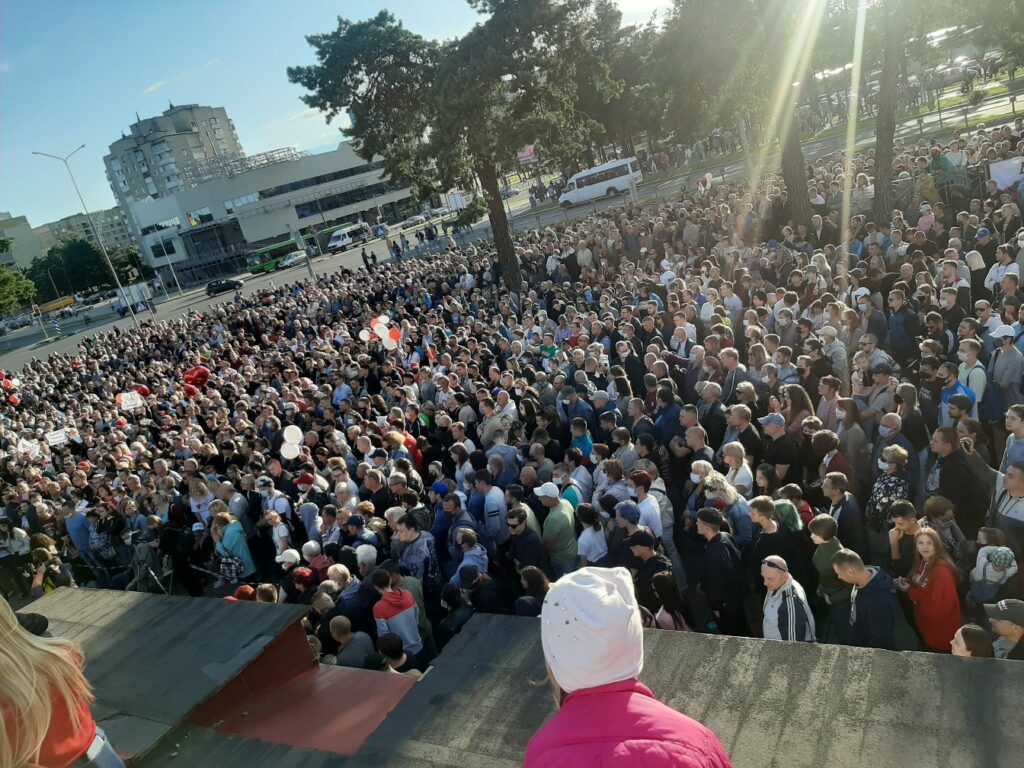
<point x="14" y="400"/>
<point x="142" y="389"/>
<point x="395" y="334"/>
<point x="8" y="384"/>
<point x="198" y="376"/>
<point x="2" y="375"/>
<point x="190" y="391"/>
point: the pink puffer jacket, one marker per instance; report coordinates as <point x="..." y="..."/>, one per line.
<point x="622" y="724"/>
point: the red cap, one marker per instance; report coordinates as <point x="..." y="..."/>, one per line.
<point x="303" y="576"/>
<point x="85" y="465"/>
<point x="305" y="479"/>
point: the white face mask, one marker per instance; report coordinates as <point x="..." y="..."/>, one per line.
<point x="962" y="356"/>
<point x="840" y="414"/>
<point x="695" y="478"/>
<point x="883" y="464"/>
<point x="944" y="303"/>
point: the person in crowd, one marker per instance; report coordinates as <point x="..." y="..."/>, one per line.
<point x="1007" y="620"/>
<point x="932" y="588"/>
<point x="890" y="486"/>
<point x="835" y="592"/>
<point x="787" y="614"/>
<point x="722" y="577"/>
<point x="592" y="637"/>
<point x="873" y="606"/>
<point x="642" y="545"/>
<point x="353" y="647"/>
<point x="971" y="641"/>
<point x="559" y="530"/>
<point x="845" y="510"/>
<point x="46" y="702"/>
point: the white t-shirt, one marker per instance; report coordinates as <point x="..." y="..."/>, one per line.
<point x="650" y="515"/>
<point x="742" y="476"/>
<point x="592" y="545"/>
<point x="280" y="537"/>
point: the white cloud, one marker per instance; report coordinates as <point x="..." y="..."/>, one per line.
<point x="154" y="87"/>
<point x="306" y="114"/>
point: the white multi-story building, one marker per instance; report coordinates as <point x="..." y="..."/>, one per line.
<point x="232" y="206"/>
<point x="149" y="162"/>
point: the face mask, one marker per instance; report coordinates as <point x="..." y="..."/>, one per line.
<point x="944" y="303"/>
<point x="519" y="392"/>
<point x="862" y="307"/>
<point x="883" y="464"/>
<point x="595" y="459"/>
<point x="840" y="414"/>
<point x="559" y="481"/>
<point x="962" y="356"/>
<point x="884" y="431"/>
<point x="695" y="478"/>
<point x="783" y="322"/>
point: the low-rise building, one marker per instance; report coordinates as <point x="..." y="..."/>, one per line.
<point x="25" y="245"/>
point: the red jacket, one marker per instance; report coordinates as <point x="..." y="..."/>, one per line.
<point x="622" y="724"/>
<point x="937" y="607"/>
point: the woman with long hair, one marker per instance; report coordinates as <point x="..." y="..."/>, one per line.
<point x="45" y="702"/>
<point x="971" y="641"/>
<point x="674" y="609"/>
<point x="535" y="585"/>
<point x="796" y="406"/>
<point x="932" y="588"/>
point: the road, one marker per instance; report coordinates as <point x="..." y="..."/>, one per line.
<point x="18" y="348"/>
<point x="931" y="124"/>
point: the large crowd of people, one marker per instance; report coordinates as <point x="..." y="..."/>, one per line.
<point x="804" y="433"/>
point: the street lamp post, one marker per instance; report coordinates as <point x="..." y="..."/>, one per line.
<point x="88" y="215"/>
<point x="56" y="293"/>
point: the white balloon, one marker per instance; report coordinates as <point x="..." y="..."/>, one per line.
<point x="289" y="451"/>
<point x="381" y="330"/>
<point x="364" y="335"/>
<point x="292" y="435"/>
<point x="383" y="320"/>
<point x="389" y="343"/>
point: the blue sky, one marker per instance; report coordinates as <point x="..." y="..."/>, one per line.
<point x="74" y="73"/>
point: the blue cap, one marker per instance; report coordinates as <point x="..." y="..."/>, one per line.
<point x="628" y="511"/>
<point x="773" y="243"/>
<point x="983" y="232"/>
<point x="772" y="418"/>
<point x="441" y="489"/>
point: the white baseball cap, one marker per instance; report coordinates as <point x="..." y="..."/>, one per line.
<point x="547" y="490"/>
<point x="591" y="630"/>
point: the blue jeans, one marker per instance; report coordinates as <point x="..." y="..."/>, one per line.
<point x="106" y="758"/>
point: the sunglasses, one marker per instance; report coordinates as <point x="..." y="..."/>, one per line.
<point x="776" y="566"/>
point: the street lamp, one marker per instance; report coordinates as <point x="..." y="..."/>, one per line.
<point x="103" y="248"/>
<point x="56" y="293"/>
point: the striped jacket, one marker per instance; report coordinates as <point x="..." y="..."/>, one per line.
<point x="787" y="616"/>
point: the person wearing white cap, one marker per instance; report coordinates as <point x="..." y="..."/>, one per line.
<point x="594" y="651"/>
<point x="559" y="529"/>
<point x="1005" y="367"/>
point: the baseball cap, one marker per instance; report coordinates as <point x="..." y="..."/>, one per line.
<point x="1002" y="331"/>
<point x="640" y="538"/>
<point x="264" y="482"/>
<point x="440" y="488"/>
<point x="983" y="232"/>
<point x="547" y="490"/>
<point x="302" y="576"/>
<point x="828" y="330"/>
<point x="882" y="368"/>
<point x="925" y="207"/>
<point x="772" y="418"/>
<point x="380" y="453"/>
<point x="591" y="631"/>
<point x="861" y="292"/>
<point x="1006" y="610"/>
<point x="305" y="479"/>
<point x="198" y="528"/>
<point x="1001" y="557"/>
<point x="288" y="556"/>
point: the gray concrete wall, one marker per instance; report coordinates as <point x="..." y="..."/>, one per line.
<point x="772" y="704"/>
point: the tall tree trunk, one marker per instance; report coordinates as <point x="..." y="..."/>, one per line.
<point x="508" y="263"/>
<point x="794" y="172"/>
<point x="885" y="124"/>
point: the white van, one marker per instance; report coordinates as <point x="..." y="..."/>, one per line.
<point x="608" y="179"/>
<point x="349" y="235"/>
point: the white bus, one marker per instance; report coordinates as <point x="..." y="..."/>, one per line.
<point x="349" y="235"/>
<point x="609" y="179"/>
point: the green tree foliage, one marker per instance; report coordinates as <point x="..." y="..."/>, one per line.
<point x="16" y="290"/>
<point x="444" y="114"/>
<point x="77" y="266"/>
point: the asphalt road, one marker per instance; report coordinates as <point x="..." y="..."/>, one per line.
<point x="18" y="348"/>
<point x="931" y="125"/>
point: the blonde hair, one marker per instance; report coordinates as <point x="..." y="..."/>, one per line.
<point x="35" y="672"/>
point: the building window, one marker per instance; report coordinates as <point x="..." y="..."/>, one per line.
<point x="162" y="249"/>
<point x="165" y="224"/>
<point x="340" y="200"/>
<point x="200" y="216"/>
<point x="238" y="202"/>
<point x="315" y="181"/>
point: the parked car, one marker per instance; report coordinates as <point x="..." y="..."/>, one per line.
<point x="413" y="221"/>
<point x="348" y="236"/>
<point x="223" y="286"/>
<point x="442" y="212"/>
